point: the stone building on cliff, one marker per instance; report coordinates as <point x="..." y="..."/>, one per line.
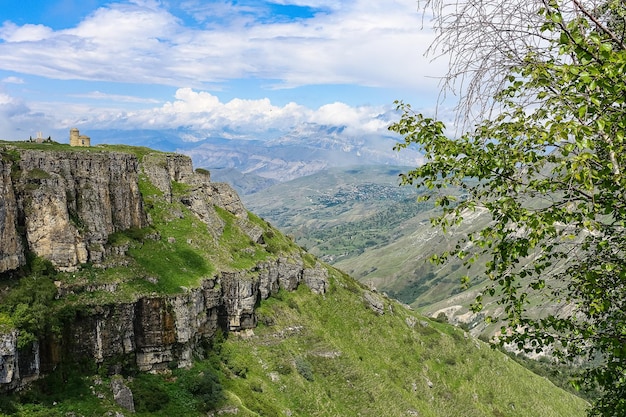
<point x="77" y="139"/>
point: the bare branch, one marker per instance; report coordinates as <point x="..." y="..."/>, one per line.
<point x="484" y="40"/>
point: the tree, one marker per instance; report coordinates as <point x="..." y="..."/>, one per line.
<point x="545" y="159"/>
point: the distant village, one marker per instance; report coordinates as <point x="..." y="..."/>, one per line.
<point x="76" y="139"/>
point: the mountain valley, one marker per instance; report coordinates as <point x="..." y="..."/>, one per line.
<point x="363" y="222"/>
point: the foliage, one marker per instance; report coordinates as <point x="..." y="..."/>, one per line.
<point x="37" y="265"/>
<point x="560" y="374"/>
<point x="7" y="406"/>
<point x="148" y="394"/>
<point x="206" y="388"/>
<point x="551" y="176"/>
<point x="28" y="305"/>
<point x="65" y="390"/>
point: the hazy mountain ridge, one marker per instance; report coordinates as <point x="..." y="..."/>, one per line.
<point x="303" y="151"/>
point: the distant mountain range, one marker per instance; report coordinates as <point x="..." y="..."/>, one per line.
<point x="253" y="164"/>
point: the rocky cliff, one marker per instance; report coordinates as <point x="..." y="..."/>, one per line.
<point x="65" y="205"/>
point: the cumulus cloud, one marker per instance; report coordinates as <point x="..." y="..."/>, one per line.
<point x="10" y="32"/>
<point x="201" y="110"/>
<point x="201" y="45"/>
<point x="359" y="42"/>
<point x="206" y="114"/>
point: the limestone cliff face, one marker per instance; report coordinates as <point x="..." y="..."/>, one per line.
<point x="64" y="205"/>
<point x="164" y="169"/>
<point x="11" y="250"/>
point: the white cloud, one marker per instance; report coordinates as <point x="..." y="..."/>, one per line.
<point x="203" y="112"/>
<point x="5" y="99"/>
<point x="18" y="121"/>
<point x="358" y="42"/>
<point x="366" y="119"/>
<point x="13" y="80"/>
<point x="10" y="32"/>
<point x="361" y="42"/>
<point x="124" y="27"/>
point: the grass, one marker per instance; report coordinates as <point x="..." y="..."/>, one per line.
<point x="179" y="257"/>
<point x="329" y="356"/>
<point x="176" y="252"/>
<point x="138" y="151"/>
<point x="243" y="251"/>
<point x="173" y="253"/>
<point x="47" y="146"/>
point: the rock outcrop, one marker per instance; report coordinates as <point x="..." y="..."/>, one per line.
<point x="161" y="169"/>
<point x="202" y="195"/>
<point x="63" y="206"/>
<point x="66" y="204"/>
<point x="9" y="369"/>
<point x="11" y="249"/>
<point x="122" y="394"/>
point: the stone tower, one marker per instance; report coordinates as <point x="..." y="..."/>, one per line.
<point x="77" y="139"/>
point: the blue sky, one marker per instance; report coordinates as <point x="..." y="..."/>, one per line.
<point x="245" y="66"/>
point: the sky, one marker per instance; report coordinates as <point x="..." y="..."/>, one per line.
<point x="250" y="68"/>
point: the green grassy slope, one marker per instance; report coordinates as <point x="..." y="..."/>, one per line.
<point x="333" y="356"/>
<point x="364" y="364"/>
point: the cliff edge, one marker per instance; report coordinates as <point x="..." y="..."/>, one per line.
<point x="149" y="259"/>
